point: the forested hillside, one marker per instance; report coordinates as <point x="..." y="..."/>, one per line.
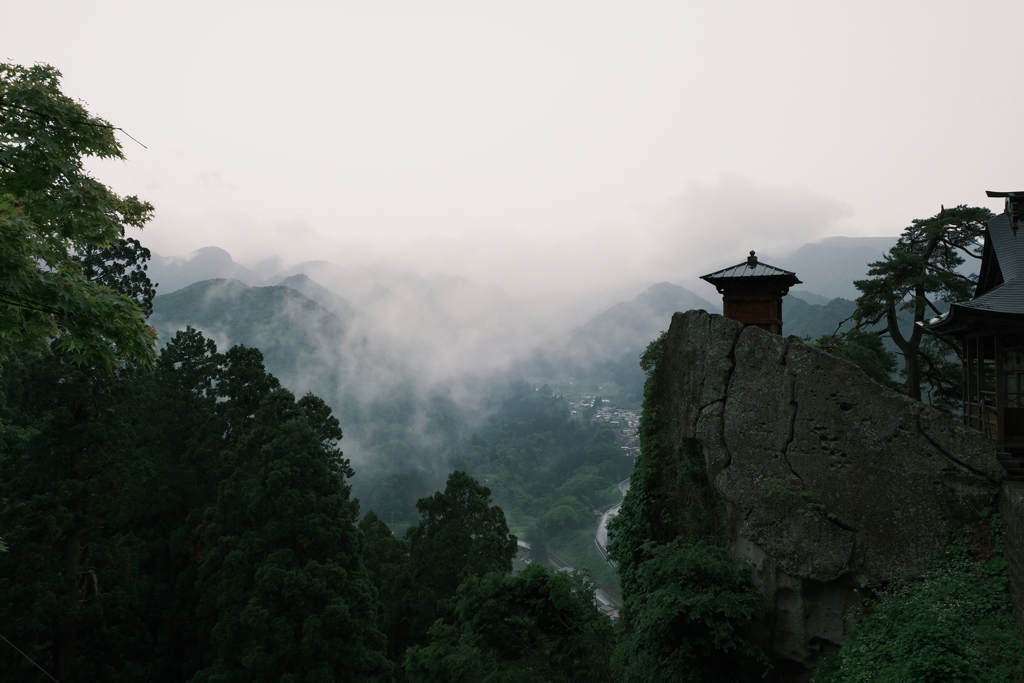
<point x="809" y="320"/>
<point x="313" y="345"/>
<point x="194" y="522"/>
<point x="545" y="465"/>
<point x="404" y="433"/>
<point x="175" y="514"/>
<point x="192" y="495"/>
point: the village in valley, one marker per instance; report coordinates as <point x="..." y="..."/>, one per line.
<point x="625" y="422"/>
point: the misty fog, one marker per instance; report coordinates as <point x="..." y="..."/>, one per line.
<point x="414" y="363"/>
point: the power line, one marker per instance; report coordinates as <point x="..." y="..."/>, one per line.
<point x="82" y="122"/>
<point x="29" y="659"/>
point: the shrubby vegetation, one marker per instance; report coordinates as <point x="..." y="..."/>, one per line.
<point x="954" y="624"/>
<point x="534" y="626"/>
<point x="689" y="610"/>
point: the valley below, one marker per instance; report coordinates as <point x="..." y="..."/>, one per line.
<point x="431" y="374"/>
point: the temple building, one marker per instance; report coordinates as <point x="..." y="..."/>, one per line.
<point x="990" y="332"/>
<point x="752" y="292"/>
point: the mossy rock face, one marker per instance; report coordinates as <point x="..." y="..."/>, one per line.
<point x="1011" y="507"/>
<point x="827" y="482"/>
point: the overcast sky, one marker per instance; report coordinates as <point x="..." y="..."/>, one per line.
<point x="540" y="144"/>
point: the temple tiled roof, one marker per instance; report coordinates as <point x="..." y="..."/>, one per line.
<point x="750" y="268"/>
<point x="1007" y="245"/>
<point x="1000" y="291"/>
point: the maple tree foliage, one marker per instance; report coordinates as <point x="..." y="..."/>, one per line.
<point x="54" y="218"/>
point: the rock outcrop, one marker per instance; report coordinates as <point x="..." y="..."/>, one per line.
<point x="831" y="483"/>
<point x="1011" y="507"/>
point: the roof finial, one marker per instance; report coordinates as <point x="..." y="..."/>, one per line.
<point x="1014" y="207"/>
<point x="752" y="259"/>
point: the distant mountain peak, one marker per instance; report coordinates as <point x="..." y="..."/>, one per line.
<point x="663" y="287"/>
<point x="172" y="273"/>
<point x="298" y="278"/>
<point x="628" y="326"/>
<point x="310" y="288"/>
<point x="829" y="266"/>
<point x="210" y="254"/>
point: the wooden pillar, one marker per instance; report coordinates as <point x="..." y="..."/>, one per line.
<point x="997" y="347"/>
<point x="965" y="390"/>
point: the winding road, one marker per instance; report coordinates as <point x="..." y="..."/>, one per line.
<point x="601" y="537"/>
<point x="608" y="605"/>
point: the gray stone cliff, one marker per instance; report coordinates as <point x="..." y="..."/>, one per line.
<point x="1011" y="507"/>
<point x="831" y="483"/>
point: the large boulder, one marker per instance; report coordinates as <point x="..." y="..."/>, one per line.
<point x="831" y="483"/>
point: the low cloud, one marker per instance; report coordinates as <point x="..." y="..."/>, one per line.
<point x="712" y="225"/>
<point x="706" y="226"/>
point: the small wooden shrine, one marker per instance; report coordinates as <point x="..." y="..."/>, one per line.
<point x="752" y="292"/>
<point x="990" y="332"/>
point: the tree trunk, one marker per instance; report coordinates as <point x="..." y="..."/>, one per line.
<point x="911" y="362"/>
<point x="66" y="648"/>
<point x="72" y="564"/>
<point x="912" y="368"/>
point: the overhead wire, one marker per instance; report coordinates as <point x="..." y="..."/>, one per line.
<point x="29" y="659"/>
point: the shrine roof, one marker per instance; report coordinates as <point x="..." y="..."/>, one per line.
<point x="751" y="268"/>
<point x="1005" y="298"/>
<point x="1000" y="292"/>
<point x="1007" y="245"/>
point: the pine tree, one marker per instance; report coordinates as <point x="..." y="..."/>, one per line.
<point x="67" y="579"/>
<point x="66" y="446"/>
<point x="460" y="534"/>
<point x="920" y="271"/>
<point x="538" y="626"/>
<point x="284" y="589"/>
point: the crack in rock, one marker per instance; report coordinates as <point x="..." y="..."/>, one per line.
<point x="731" y="356"/>
<point x="793" y="408"/>
<point x="877" y="469"/>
